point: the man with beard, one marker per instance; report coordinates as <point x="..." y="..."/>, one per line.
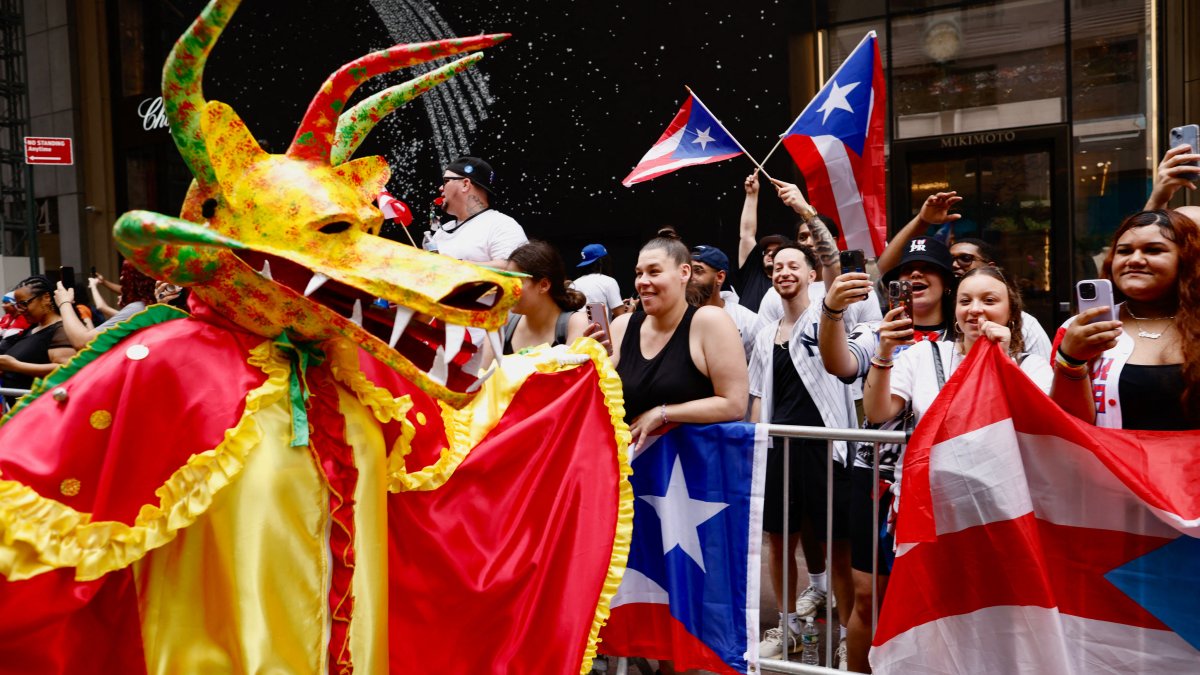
<point x="478" y="233"/>
<point x="790" y="385"/>
<point x="710" y="267"/>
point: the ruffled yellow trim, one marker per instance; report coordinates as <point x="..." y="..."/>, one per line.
<point x="343" y="362"/>
<point x="38" y="534"/>
<point x="614" y="398"/>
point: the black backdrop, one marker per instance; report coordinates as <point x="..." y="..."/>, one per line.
<point x="578" y="95"/>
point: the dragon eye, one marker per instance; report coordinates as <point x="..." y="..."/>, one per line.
<point x="335" y="227"/>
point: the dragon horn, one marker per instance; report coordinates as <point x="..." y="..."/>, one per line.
<point x="314" y="138"/>
<point x="355" y="124"/>
<point x="183" y="94"/>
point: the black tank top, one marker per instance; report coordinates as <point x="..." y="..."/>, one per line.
<point x="669" y="377"/>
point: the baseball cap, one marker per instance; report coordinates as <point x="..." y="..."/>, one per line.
<point x="773" y="240"/>
<point x="711" y="256"/>
<point x="924" y="249"/>
<point x="479" y="171"/>
<point x="591" y="253"/>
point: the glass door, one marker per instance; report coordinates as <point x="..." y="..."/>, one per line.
<point x="1009" y="201"/>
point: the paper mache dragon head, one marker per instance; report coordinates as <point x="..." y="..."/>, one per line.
<point x="289" y="243"/>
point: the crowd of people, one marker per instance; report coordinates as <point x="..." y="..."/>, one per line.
<point x="822" y="350"/>
<point x="819" y="348"/>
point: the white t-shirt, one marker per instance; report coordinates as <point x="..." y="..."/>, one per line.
<point x="488" y="235"/>
<point x="746" y="320"/>
<point x="599" y="288"/>
<point x="1036" y="340"/>
<point x="915" y="379"/>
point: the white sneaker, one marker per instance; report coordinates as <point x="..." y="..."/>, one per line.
<point x="810" y="602"/>
<point x="840" y="655"/>
<point x="771" y="646"/>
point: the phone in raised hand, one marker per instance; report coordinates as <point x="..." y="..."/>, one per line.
<point x="1091" y="293"/>
<point x="853" y="261"/>
<point x="900" y="294"/>
<point x="597" y="313"/>
<point x="1188" y="134"/>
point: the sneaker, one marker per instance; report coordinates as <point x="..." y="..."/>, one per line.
<point x="771" y="646"/>
<point x="810" y="602"/>
<point x="840" y="655"/>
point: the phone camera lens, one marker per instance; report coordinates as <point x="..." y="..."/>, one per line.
<point x="1087" y="291"/>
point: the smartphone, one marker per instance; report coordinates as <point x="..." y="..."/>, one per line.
<point x="67" y="276"/>
<point x="900" y="293"/>
<point x="853" y="261"/>
<point x="1091" y="293"/>
<point x="597" y="313"/>
<point x="93" y="274"/>
<point x="1189" y="134"/>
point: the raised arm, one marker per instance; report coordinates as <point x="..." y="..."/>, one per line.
<point x="824" y="245"/>
<point x="935" y="211"/>
<point x="748" y="226"/>
<point x="1081" y="343"/>
<point x="845" y="290"/>
<point x="97" y="300"/>
<point x="879" y="403"/>
<point x="77" y="332"/>
<point x="1172" y="174"/>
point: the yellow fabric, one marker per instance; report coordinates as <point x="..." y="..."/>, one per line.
<point x="244" y="588"/>
<point x="41" y="534"/>
<point x="368" y="630"/>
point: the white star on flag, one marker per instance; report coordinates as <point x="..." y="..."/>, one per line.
<point x="681" y="515"/>
<point x="704" y="139"/>
<point x="837" y="100"/>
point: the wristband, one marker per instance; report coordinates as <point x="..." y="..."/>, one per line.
<point x="881" y="364"/>
<point x="1070" y="360"/>
<point x="829" y="310"/>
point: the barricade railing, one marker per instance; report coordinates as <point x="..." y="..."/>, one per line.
<point x="5" y="392"/>
<point x="874" y="437"/>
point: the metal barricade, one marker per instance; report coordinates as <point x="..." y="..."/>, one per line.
<point x="874" y="437"/>
<point x="5" y="393"/>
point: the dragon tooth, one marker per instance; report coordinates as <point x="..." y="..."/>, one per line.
<point x="316" y="282"/>
<point x="439" y="371"/>
<point x="403" y="315"/>
<point x="266" y="271"/>
<point x="454" y="339"/>
<point x="497" y="345"/>
<point x="482" y="378"/>
<point x="356" y="314"/>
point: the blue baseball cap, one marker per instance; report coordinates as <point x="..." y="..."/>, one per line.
<point x="711" y="256"/>
<point x="591" y="253"/>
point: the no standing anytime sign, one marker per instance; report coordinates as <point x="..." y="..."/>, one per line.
<point x="47" y="150"/>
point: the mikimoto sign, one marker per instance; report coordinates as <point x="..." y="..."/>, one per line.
<point x="48" y="150"/>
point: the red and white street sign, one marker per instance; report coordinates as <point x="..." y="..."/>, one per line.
<point x="48" y="150"/>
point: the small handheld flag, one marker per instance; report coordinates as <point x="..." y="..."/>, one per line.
<point x="693" y="137"/>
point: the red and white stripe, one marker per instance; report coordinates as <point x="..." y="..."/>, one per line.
<point x="1012" y="513"/>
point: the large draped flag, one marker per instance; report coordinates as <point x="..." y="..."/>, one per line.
<point x="1029" y="541"/>
<point x="694" y="137"/>
<point x="691" y="587"/>
<point x="837" y="141"/>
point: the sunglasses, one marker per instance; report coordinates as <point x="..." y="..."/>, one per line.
<point x="966" y="258"/>
<point x="446" y="179"/>
<point x="24" y="304"/>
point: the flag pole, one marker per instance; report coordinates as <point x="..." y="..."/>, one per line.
<point x="727" y="133"/>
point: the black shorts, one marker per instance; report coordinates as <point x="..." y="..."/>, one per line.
<point x="807" y="490"/>
<point x="862" y="531"/>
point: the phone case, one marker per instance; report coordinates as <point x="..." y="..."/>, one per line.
<point x="1104" y="298"/>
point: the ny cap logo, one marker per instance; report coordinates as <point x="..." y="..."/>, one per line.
<point x="917" y="245"/>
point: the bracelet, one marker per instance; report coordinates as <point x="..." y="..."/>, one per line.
<point x="662" y="410"/>
<point x="1068" y="370"/>
<point x="829" y="310"/>
<point x="881" y="364"/>
<point x="1070" y="360"/>
<point x="65" y="302"/>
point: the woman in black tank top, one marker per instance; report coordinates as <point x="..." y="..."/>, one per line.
<point x="547" y="311"/>
<point x="664" y="381"/>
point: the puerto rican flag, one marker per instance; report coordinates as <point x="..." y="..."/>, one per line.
<point x="691" y="587"/>
<point x="1031" y="542"/>
<point x="694" y="137"/>
<point x="394" y="209"/>
<point x="838" y="144"/>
